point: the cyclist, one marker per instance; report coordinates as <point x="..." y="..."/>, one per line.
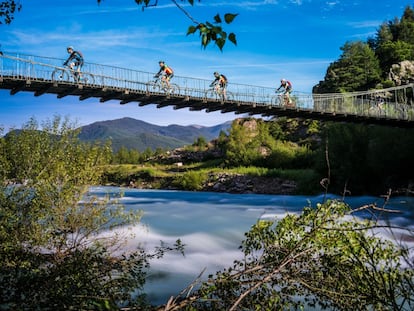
<point x="74" y="61"/>
<point x="288" y="89"/>
<point x="220" y="84"/>
<point x="166" y="73"/>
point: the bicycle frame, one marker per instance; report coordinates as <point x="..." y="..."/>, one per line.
<point x="158" y="84"/>
<point x="217" y="92"/>
<point x="282" y="100"/>
<point x="67" y="74"/>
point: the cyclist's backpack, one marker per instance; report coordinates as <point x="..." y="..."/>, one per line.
<point x="168" y="70"/>
<point x="225" y="78"/>
<point x="77" y="55"/>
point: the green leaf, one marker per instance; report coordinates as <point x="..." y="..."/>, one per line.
<point x="217" y="18"/>
<point x="232" y="38"/>
<point x="191" y="2"/>
<point x="204" y="40"/>
<point x="191" y="29"/>
<point x="228" y="17"/>
<point x="220" y="43"/>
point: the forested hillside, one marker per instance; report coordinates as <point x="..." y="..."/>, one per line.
<point x="128" y="133"/>
<point x="363" y="158"/>
<point x="376" y="63"/>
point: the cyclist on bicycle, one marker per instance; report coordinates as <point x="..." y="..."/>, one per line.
<point x="74" y="61"/>
<point x="166" y="73"/>
<point x="220" y="84"/>
<point x="288" y="89"/>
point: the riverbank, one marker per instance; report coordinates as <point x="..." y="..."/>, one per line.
<point x="226" y="183"/>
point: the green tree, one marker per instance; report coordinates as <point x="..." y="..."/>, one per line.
<point x="393" y="52"/>
<point x="357" y="69"/>
<point x="146" y="154"/>
<point x="134" y="156"/>
<point x="53" y="248"/>
<point x="245" y="142"/>
<point x="394" y="41"/>
<point x="121" y="156"/>
<point x="200" y="143"/>
<point x="325" y="256"/>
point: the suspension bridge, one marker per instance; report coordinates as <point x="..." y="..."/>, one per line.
<point x="43" y="75"/>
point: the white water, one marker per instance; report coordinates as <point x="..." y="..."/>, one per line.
<point x="212" y="226"/>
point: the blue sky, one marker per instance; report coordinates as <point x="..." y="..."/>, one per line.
<point x="293" y="39"/>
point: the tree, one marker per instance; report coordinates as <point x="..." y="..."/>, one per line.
<point x="53" y="247"/>
<point x="357" y="69"/>
<point x="326" y="256"/>
<point x="200" y="142"/>
<point x="394" y="41"/>
<point x="244" y="142"/>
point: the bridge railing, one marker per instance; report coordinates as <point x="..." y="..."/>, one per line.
<point x="30" y="67"/>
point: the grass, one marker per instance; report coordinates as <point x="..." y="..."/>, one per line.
<point x="191" y="176"/>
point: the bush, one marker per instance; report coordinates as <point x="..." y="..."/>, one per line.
<point x="191" y="180"/>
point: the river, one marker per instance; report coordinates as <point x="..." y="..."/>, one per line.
<point x="212" y="226"/>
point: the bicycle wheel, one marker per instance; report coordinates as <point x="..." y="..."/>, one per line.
<point x="153" y="87"/>
<point x="87" y="78"/>
<point x="60" y="75"/>
<point x="173" y="89"/>
<point x="229" y="96"/>
<point x="276" y="100"/>
<point x="211" y="94"/>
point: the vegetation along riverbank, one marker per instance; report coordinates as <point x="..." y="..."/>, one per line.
<point x="281" y="156"/>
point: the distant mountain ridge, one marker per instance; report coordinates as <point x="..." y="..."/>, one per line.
<point x="136" y="134"/>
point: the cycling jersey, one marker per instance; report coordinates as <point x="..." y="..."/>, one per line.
<point x="167" y="70"/>
<point x="77" y="56"/>
<point x="221" y="80"/>
<point x="287" y="86"/>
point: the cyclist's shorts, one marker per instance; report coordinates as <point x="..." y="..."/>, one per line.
<point x="79" y="62"/>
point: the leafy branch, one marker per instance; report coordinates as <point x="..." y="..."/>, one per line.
<point x="208" y="31"/>
<point x="7" y="10"/>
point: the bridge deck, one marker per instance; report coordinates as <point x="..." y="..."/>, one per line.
<point x="31" y="74"/>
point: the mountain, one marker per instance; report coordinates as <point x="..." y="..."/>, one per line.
<point x="135" y="134"/>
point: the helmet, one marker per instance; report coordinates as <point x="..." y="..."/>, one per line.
<point x="161" y="62"/>
<point x="69" y="47"/>
<point x="216" y="73"/>
<point x="283" y="80"/>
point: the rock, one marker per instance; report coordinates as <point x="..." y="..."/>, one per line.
<point x="402" y="73"/>
<point x="236" y="183"/>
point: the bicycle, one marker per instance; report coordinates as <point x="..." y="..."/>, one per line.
<point x="159" y="84"/>
<point x="217" y="93"/>
<point x="282" y="100"/>
<point x="68" y="74"/>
